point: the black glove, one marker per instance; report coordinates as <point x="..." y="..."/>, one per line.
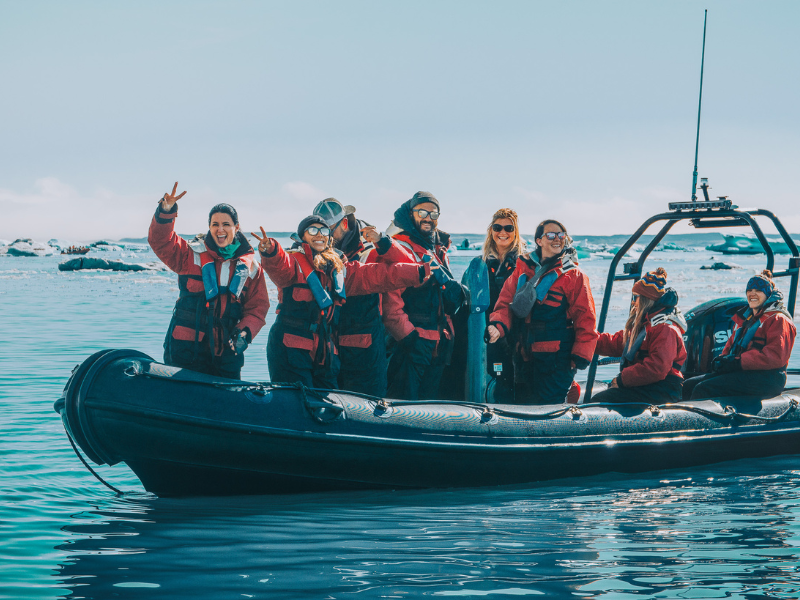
<point x="726" y="364"/>
<point x="580" y="362"/>
<point x="408" y="342"/>
<point x="239" y="340"/>
<point x="453" y="296"/>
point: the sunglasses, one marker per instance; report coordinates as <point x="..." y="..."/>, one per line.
<point x="551" y="235"/>
<point x="498" y="228"/>
<point x="314" y="230"/>
<point x="433" y="214"/>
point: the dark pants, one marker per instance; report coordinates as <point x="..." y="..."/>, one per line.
<point x="187" y="355"/>
<point x="364" y="369"/>
<point x="756" y="384"/>
<point x="415" y="373"/>
<point x="542" y="382"/>
<point x="296" y="365"/>
<point x="660" y="392"/>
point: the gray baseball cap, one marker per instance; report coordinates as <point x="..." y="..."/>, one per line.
<point x="332" y="211"/>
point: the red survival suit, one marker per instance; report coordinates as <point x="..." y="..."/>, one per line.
<point x="419" y="319"/>
<point x="217" y="296"/>
<point x="559" y="329"/>
<point x="651" y="367"/>
<point x="757" y="355"/>
<point x="303" y="342"/>
<point x="362" y="336"/>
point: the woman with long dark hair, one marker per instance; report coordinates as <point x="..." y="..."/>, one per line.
<point x="650" y="344"/>
<point x="547" y="306"/>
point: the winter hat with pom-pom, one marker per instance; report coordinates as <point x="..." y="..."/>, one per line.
<point x="652" y="285"/>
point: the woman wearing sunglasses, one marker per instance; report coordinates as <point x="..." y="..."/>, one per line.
<point x="502" y="247"/>
<point x="314" y="280"/>
<point x="547" y="307"/>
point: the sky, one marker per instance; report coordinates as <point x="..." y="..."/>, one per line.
<point x="581" y="111"/>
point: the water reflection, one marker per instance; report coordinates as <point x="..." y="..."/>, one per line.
<point x="716" y="534"/>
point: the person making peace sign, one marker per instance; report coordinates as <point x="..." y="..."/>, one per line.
<point x="222" y="302"/>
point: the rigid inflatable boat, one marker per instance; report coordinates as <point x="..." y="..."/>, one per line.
<point x="185" y="433"/>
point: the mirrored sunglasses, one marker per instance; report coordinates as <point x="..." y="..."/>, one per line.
<point x="434" y="214"/>
<point x="314" y="230"/>
<point x="498" y="228"/>
<point x="551" y="235"/>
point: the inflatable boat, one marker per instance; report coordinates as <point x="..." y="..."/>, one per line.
<point x="185" y="433"/>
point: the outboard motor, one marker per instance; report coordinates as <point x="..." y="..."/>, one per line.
<point x="709" y="325"/>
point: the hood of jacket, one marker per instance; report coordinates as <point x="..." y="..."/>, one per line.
<point x="666" y="309"/>
<point x="403" y="221"/>
<point x="568" y="258"/>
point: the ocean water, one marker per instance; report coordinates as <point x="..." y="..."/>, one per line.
<point x="730" y="530"/>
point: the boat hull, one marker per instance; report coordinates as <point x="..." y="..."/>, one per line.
<point x="184" y="433"/>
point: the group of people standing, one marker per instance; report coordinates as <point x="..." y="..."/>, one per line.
<point x="372" y="312"/>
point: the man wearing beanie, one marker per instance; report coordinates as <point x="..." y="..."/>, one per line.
<point x="754" y="361"/>
<point x="419" y="318"/>
<point x="223" y="301"/>
<point x="650" y="345"/>
<point x="362" y="336"/>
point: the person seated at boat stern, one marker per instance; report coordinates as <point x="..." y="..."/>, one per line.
<point x="546" y="306"/>
<point x="222" y="302"/>
<point x="314" y="280"/>
<point x="502" y="247"/>
<point x="651" y="346"/>
<point x="418" y="319"/>
<point x="754" y="361"/>
<point x="362" y="337"/>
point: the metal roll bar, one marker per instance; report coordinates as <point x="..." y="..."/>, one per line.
<point x="702" y="214"/>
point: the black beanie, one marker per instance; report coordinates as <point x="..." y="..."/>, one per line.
<point x="422" y="198"/>
<point x="307" y="222"/>
<point x="227" y="209"/>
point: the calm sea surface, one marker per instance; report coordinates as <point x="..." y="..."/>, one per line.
<point x="727" y="531"/>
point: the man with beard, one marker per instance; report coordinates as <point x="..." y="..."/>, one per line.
<point x="419" y="319"/>
<point x="362" y="338"/>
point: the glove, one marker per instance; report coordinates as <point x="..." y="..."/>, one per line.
<point x="726" y="364"/>
<point x="453" y="296"/>
<point x="238" y="341"/>
<point x="408" y="342"/>
<point x="580" y="362"/>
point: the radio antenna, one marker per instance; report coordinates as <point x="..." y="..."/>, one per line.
<point x="699" y="106"/>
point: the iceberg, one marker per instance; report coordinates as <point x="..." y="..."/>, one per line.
<point x="747" y="243"/>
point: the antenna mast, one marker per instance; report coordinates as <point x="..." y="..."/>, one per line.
<point x="699" y="106"/>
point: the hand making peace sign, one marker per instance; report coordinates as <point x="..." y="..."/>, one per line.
<point x="169" y="200"/>
<point x="264" y="243"/>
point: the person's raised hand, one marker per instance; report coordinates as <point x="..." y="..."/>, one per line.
<point x="169" y="200"/>
<point x="264" y="243"/>
<point x="371" y="234"/>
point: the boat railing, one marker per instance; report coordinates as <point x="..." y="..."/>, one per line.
<point x="702" y="215"/>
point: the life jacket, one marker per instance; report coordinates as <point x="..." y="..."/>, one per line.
<point x="202" y="311"/>
<point x="310" y="308"/>
<point x="499" y="272"/>
<point x="546" y="335"/>
<point x="360" y="314"/>
<point x="636" y="352"/>
<point x="424" y="304"/>
<point x="748" y="325"/>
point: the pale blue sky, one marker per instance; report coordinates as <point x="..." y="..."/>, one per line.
<point x="582" y="111"/>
